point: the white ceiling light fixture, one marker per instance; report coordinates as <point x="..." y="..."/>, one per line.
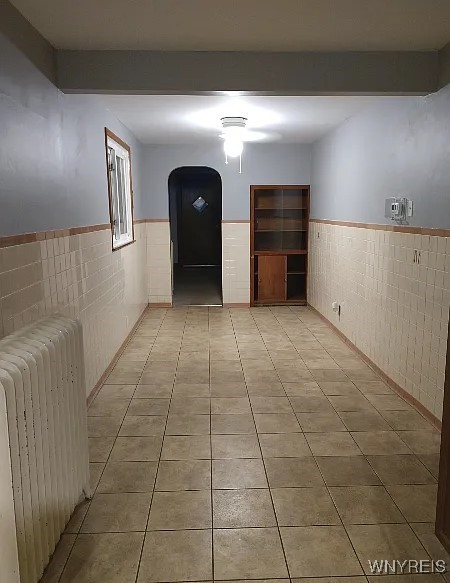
<point x="233" y="135"/>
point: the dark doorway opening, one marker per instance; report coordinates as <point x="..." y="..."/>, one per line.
<point x="195" y="209"/>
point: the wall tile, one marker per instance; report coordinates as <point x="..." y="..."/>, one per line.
<point x="393" y="309"/>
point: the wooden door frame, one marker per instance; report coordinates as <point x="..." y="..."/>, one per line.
<point x="443" y="498"/>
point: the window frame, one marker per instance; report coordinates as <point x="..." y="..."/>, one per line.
<point x="113" y="141"/>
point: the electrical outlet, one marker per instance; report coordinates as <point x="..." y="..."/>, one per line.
<point x="416" y="257"/>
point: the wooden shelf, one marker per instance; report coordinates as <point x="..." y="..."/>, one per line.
<point x="279" y="244"/>
<point x="281" y="208"/>
<point x="281" y="230"/>
<point x="281" y="252"/>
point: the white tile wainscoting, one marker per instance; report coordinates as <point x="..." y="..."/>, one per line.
<point x="236" y="262"/>
<point x="159" y="262"/>
<point x="79" y="276"/>
<point x="394" y="308"/>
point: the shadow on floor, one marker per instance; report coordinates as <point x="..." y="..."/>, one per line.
<point x="197" y="286"/>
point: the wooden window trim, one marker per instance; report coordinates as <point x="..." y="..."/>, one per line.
<point x="113" y="136"/>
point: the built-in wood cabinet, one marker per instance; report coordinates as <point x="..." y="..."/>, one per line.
<point x="279" y="217"/>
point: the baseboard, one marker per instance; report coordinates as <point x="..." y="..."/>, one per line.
<point x="160" y="305"/>
<point x="237" y="305"/>
<point x="392" y="384"/>
<point x="116" y="357"/>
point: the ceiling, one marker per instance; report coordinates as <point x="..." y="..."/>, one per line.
<point x="191" y="119"/>
<point x="255" y="25"/>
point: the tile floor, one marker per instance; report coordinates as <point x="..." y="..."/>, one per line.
<point x="248" y="444"/>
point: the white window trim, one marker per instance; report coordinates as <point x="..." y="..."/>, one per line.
<point x="120" y="239"/>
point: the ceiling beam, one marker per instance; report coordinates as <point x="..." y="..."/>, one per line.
<point x="306" y="73"/>
<point x="27" y="39"/>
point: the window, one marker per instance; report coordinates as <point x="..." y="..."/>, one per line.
<point x="118" y="162"/>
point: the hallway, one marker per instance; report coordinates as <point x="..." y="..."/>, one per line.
<point x="197" y="286"/>
<point x="232" y="444"/>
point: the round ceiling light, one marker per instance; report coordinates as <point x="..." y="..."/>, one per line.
<point x="233" y="135"/>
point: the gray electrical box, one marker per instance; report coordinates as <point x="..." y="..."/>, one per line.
<point x="398" y="209"/>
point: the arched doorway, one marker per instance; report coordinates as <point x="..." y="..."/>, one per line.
<point x="195" y="210"/>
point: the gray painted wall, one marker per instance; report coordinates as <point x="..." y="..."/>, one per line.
<point x="52" y="153"/>
<point x="261" y="164"/>
<point x="398" y="148"/>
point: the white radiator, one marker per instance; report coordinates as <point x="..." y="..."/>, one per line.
<point x="44" y="463"/>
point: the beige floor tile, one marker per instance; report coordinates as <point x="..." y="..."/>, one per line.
<point x="292" y="472"/>
<point x="350" y="402"/>
<point x="200" y="390"/>
<point x="123" y="378"/>
<point x="311" y="404"/>
<point x="156" y="376"/>
<point x="380" y="443"/>
<point x="184" y="475"/>
<point x="188" y="425"/>
<point x="95" y="471"/>
<point x="136" y="449"/>
<point x="266" y="389"/>
<point x="103" y="426"/>
<point x="347" y="471"/>
<point x="160" y="391"/>
<point x="117" y="513"/>
<point x="277" y="423"/>
<point x="352" y="579"/>
<point x="232" y="424"/>
<point x="270" y="405"/>
<point x="425" y="533"/>
<point x="319" y="551"/>
<point x="128" y="477"/>
<point x="184" y="447"/>
<point x="320" y="422"/>
<point x="373" y="387"/>
<point x="421" y="441"/>
<point x="142" y="426"/>
<point x="242" y="508"/>
<point x="390" y="541"/>
<point x="325" y="374"/>
<point x="389" y="403"/>
<point x="190" y="557"/>
<point x="58" y="560"/>
<point x="417" y="502"/>
<point x="235" y="446"/>
<point x="190" y="406"/>
<point x="284" y="445"/>
<point x="100" y="448"/>
<point x="230" y="405"/>
<point x="111" y="557"/>
<point x="343" y="388"/>
<point x="303" y="389"/>
<point x="304" y="507"/>
<point x="238" y="473"/>
<point x="116" y="391"/>
<point x="106" y="407"/>
<point x="362" y="374"/>
<point x="407" y="421"/>
<point x="332" y="443"/>
<point x="74" y="524"/>
<point x="365" y="505"/>
<point x="369" y="420"/>
<point x="180" y="510"/>
<point x="148" y="407"/>
<point x="248" y="553"/>
<point x="431" y="462"/>
<point x="228" y="390"/>
<point x="400" y="469"/>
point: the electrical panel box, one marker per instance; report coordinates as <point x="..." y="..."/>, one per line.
<point x="398" y="209"/>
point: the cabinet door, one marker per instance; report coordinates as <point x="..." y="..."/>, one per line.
<point x="271" y="278"/>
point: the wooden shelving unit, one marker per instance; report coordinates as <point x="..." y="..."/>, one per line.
<point x="279" y="217"/>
